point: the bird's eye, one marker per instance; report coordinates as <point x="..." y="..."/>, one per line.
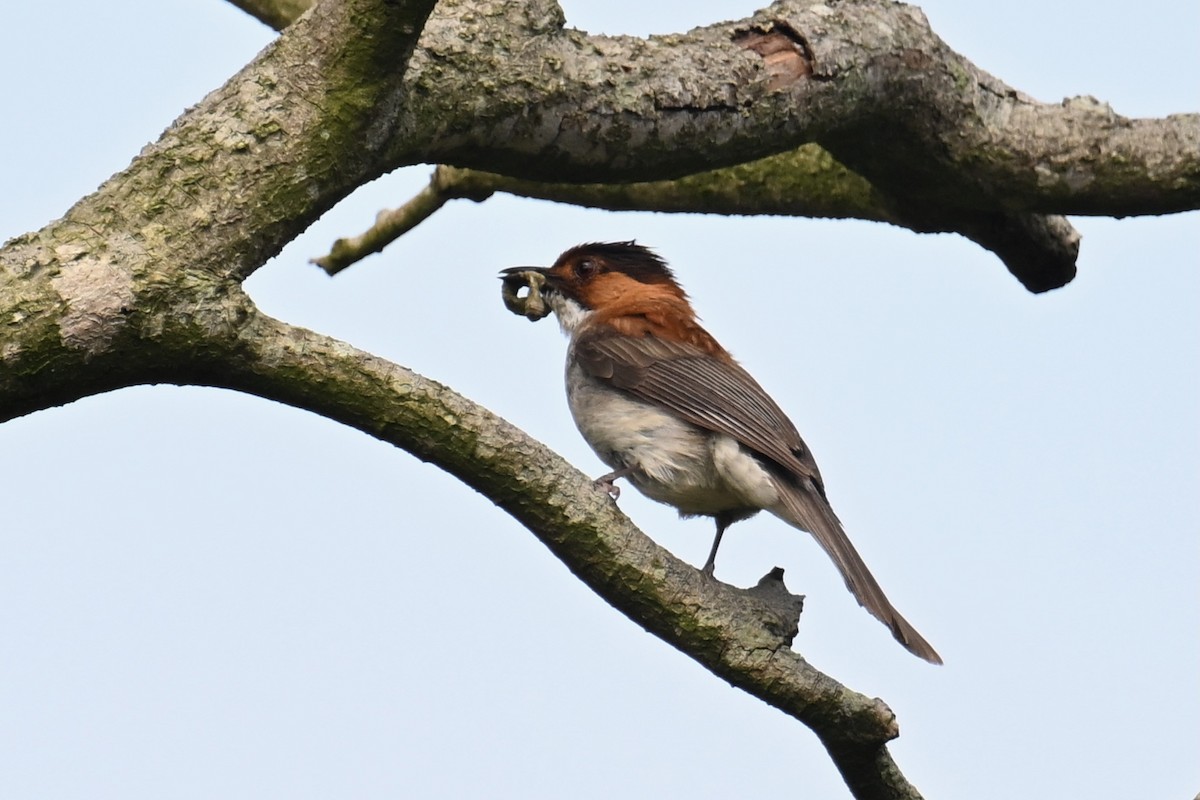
<point x="586" y="268"/>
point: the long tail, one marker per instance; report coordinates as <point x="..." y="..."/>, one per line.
<point x="805" y="508"/>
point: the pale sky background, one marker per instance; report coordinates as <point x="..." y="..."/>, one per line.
<point x="204" y="594"/>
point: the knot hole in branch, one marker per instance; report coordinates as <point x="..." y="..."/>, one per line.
<point x="784" y="51"/>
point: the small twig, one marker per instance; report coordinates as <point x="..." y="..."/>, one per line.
<point x="393" y="223"/>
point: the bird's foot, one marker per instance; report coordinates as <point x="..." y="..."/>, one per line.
<point x="608" y="484"/>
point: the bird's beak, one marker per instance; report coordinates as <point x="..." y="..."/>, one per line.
<point x="522" y="291"/>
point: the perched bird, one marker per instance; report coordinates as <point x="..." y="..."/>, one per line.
<point x="666" y="407"/>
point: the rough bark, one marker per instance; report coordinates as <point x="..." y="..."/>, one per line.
<point x="566" y="106"/>
<point x="742" y="636"/>
<point x="141" y="281"/>
<point x="966" y="153"/>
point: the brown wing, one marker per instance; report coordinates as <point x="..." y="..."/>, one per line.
<point x="719" y="395"/>
<point x="712" y="393"/>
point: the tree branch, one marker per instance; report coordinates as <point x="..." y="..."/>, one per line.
<point x="557" y="107"/>
<point x="804" y="182"/>
<point x="1039" y="250"/>
<point x="966" y="153"/>
<point x="152" y="260"/>
<point x="258" y="160"/>
<point x="445" y="184"/>
<point x="742" y="636"/>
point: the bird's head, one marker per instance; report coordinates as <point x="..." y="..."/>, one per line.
<point x="593" y="277"/>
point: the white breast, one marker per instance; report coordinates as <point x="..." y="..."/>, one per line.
<point x="677" y="463"/>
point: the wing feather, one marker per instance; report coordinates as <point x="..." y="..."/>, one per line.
<point x="718" y="395"/>
<point x="712" y="393"/>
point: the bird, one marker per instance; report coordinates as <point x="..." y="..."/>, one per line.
<point x="667" y="408"/>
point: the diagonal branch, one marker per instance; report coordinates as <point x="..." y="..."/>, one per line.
<point x="152" y="260"/>
<point x="741" y="636"/>
<point x="259" y="159"/>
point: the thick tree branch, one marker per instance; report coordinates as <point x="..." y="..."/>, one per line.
<point x="259" y="159"/>
<point x="101" y="297"/>
<point x="563" y="106"/>
<point x="742" y="636"/>
<point x="965" y="152"/>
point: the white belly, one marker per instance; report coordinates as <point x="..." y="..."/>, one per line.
<point x="674" y="462"/>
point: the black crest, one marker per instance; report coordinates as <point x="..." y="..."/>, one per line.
<point x="637" y="261"/>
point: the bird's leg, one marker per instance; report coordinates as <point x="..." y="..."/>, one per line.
<point x="711" y="564"/>
<point x="605" y="482"/>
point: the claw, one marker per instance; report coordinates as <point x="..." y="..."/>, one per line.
<point x="606" y="482"/>
<point x="608" y="486"/>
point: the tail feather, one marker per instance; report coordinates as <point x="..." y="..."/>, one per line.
<point x="805" y="508"/>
